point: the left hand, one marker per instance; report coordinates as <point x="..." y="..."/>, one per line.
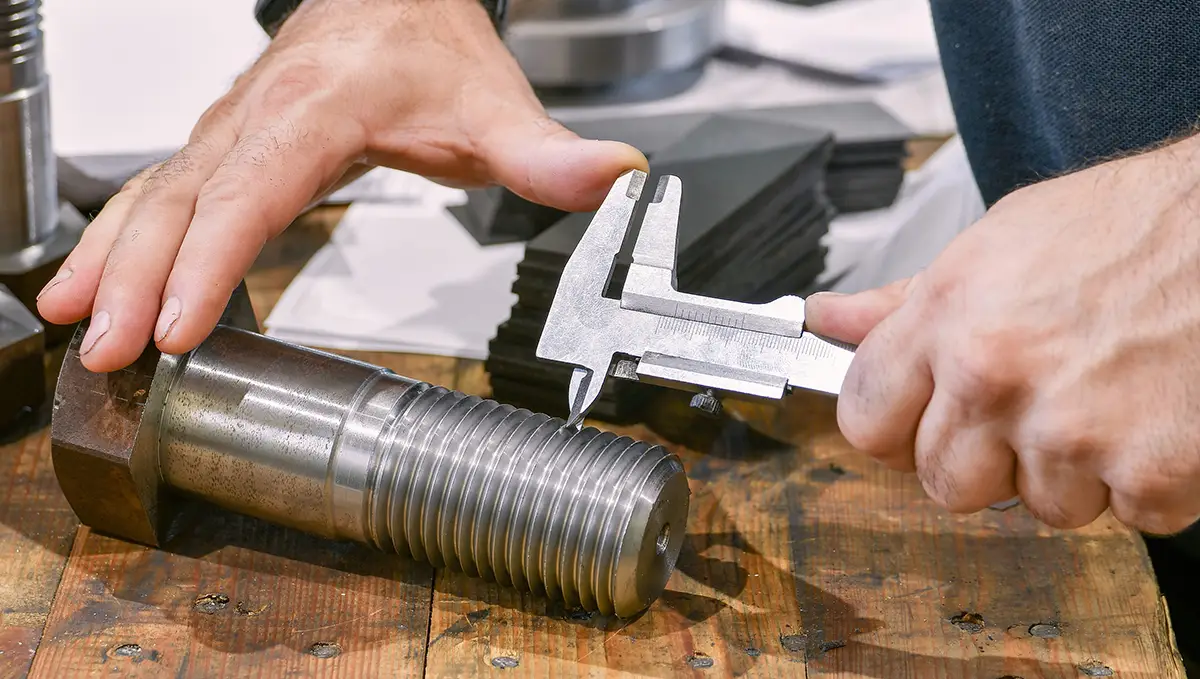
<point x="1052" y="351"/>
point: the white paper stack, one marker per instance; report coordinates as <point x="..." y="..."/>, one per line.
<point x="405" y="278"/>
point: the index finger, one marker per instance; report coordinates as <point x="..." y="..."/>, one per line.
<point x="886" y="390"/>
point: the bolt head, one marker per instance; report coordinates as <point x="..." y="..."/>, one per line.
<point x="104" y="437"/>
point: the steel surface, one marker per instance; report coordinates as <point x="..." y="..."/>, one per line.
<point x="347" y="450"/>
<point x="607" y="47"/>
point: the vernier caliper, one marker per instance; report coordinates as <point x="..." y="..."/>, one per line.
<point x="656" y="334"/>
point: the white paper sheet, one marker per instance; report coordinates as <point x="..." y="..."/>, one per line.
<point x="873" y="40"/>
<point x="400" y="278"/>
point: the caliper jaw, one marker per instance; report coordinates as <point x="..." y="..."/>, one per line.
<point x="676" y="339"/>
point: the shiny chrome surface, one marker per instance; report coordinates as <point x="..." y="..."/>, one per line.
<point x="28" y="194"/>
<point x="677" y="340"/>
<point x="348" y="450"/>
<point x="613" y="44"/>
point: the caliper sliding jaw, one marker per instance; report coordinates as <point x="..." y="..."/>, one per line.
<point x="656" y="334"/>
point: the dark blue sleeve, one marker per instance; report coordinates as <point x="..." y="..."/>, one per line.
<point x="1040" y="87"/>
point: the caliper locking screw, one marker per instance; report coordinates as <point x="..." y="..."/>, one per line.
<point x="707" y="403"/>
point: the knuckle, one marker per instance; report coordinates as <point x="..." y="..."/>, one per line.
<point x="937" y="287"/>
<point x="222" y="192"/>
<point x="219" y="112"/>
<point x="1142" y="493"/>
<point x="941" y="488"/>
<point x="983" y="369"/>
<point x="133" y="185"/>
<point x="295" y="79"/>
<point x="857" y="426"/>
<point x="1052" y="514"/>
<point x="1053" y="438"/>
<point x="160" y="184"/>
<point x="1150" y="521"/>
<point x="227" y="195"/>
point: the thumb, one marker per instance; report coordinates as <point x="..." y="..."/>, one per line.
<point x="849" y="318"/>
<point x="543" y="162"/>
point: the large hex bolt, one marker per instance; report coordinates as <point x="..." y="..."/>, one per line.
<point x="347" y="450"/>
<point x="37" y="232"/>
<point x="22" y="369"/>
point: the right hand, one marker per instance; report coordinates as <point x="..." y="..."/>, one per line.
<point x="426" y="87"/>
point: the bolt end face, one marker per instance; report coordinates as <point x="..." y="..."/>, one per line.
<point x="653" y="538"/>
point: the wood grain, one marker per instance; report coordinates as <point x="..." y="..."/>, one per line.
<point x="36" y="531"/>
<point x="37" y="528"/>
<point x="804" y="559"/>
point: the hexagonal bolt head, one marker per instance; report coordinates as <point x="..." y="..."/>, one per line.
<point x="22" y="364"/>
<point x="707" y="403"/>
<point x="104" y="437"/>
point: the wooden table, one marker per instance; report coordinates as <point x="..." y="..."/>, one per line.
<point x="802" y="559"/>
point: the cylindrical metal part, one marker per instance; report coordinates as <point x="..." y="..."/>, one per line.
<point x="548" y="9"/>
<point x="604" y="49"/>
<point x="28" y="191"/>
<point x="348" y="450"/>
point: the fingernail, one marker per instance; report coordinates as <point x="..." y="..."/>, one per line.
<point x="826" y="294"/>
<point x="59" y="277"/>
<point x="166" y="318"/>
<point x="100" y="325"/>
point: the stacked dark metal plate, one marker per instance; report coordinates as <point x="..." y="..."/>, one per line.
<point x="22" y="346"/>
<point x="863" y="173"/>
<point x="754" y="211"/>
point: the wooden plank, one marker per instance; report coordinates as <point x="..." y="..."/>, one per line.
<point x="37" y="528"/>
<point x="804" y="558"/>
<point x="36" y="531"/>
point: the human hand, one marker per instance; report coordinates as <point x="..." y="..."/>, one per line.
<point x="426" y="87"/>
<point x="1052" y="351"/>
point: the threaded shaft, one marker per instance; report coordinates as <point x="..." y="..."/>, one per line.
<point x="20" y="29"/>
<point x="348" y="450"/>
<point x="515" y="497"/>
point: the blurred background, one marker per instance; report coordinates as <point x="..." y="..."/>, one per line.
<point x="815" y="141"/>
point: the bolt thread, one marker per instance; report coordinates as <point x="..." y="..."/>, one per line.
<point x="20" y="29"/>
<point x="517" y="498"/>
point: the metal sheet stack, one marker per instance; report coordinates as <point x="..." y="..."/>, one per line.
<point x="864" y="172"/>
<point x="22" y="345"/>
<point x="614" y="50"/>
<point x="756" y="205"/>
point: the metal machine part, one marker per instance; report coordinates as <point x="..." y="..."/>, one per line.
<point x="562" y="46"/>
<point x="36" y="230"/>
<point x="347" y="450"/>
<point x="545" y="9"/>
<point x="22" y="369"/>
<point x="656" y="334"/>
